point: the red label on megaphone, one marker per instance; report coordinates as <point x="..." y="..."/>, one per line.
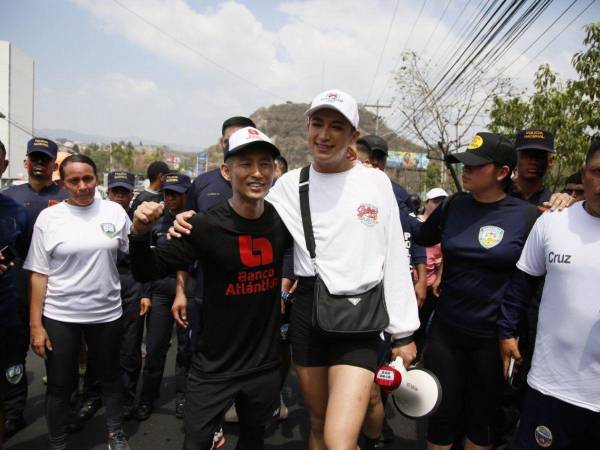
<point x="388" y="378"/>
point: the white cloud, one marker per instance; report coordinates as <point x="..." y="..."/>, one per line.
<point x="321" y="44"/>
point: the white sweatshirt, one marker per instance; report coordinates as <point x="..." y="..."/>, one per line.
<point x="358" y="235"/>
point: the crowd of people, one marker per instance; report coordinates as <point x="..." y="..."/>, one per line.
<point x="332" y="267"/>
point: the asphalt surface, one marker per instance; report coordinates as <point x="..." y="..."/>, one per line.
<point x="163" y="431"/>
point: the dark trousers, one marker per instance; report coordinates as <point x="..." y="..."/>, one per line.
<point x="159" y="327"/>
<point x="131" y="349"/>
<point x="103" y="341"/>
<point x="16" y="394"/>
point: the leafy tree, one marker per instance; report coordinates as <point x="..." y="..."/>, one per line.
<point x="568" y="109"/>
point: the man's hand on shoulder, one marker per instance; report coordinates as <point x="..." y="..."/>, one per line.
<point x="559" y="201"/>
<point x="181" y="225"/>
<point x="145" y="216"/>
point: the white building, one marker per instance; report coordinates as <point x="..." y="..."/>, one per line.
<point x="16" y="106"/>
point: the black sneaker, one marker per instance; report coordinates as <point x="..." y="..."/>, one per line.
<point x="12" y="426"/>
<point x="89" y="408"/>
<point x="179" y="407"/>
<point x="118" y="441"/>
<point x="128" y="411"/>
<point x="143" y="411"/>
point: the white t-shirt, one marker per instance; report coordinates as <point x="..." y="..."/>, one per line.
<point x="77" y="248"/>
<point x="565" y="247"/>
<point x="358" y="235"/>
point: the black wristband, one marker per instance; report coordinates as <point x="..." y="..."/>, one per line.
<point x="403" y="341"/>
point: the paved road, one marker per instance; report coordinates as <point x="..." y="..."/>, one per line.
<point x="164" y="432"/>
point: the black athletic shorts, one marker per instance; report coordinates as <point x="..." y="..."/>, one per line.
<point x="12" y="368"/>
<point x="256" y="398"/>
<point x="312" y="348"/>
<point x="469" y="369"/>
<point x="547" y="422"/>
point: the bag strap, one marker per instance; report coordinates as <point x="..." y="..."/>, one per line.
<point x="309" y="236"/>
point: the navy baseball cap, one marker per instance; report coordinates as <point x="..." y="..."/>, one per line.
<point x="120" y="178"/>
<point x="535" y="139"/>
<point x="486" y="148"/>
<point x="42" y="145"/>
<point x="374" y="142"/>
<point x="245" y="138"/>
<point x="176" y="182"/>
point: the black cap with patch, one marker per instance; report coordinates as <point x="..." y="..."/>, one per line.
<point x="486" y="148"/>
<point x="374" y="142"/>
<point x="42" y="145"/>
<point x="535" y="139"/>
<point x="177" y="182"/>
<point x="120" y="178"/>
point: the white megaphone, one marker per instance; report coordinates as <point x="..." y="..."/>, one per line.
<point x="416" y="393"/>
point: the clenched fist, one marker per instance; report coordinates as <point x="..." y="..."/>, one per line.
<point x="145" y="216"/>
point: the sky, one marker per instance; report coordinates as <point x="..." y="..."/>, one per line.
<point x="173" y="70"/>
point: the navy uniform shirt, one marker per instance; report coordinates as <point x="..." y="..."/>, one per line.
<point x="418" y="254"/>
<point x="481" y="244"/>
<point x="35" y="202"/>
<point x="538" y="198"/>
<point x="208" y="190"/>
<point x="13" y="232"/>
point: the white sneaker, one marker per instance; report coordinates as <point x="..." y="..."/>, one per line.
<point x="231" y="415"/>
<point x="283" y="410"/>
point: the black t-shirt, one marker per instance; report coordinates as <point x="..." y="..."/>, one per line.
<point x="241" y="261"/>
<point x="481" y="244"/>
<point x="146" y="196"/>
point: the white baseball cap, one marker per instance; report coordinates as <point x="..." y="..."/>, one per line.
<point x="249" y="136"/>
<point x="435" y="193"/>
<point x="337" y="100"/>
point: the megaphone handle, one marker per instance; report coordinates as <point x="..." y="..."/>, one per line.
<point x="398" y="364"/>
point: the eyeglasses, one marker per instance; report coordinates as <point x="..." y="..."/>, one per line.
<point x="573" y="192"/>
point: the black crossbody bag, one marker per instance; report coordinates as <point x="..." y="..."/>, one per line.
<point x="353" y="315"/>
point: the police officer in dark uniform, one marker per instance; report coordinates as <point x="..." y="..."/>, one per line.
<point x="37" y="194"/>
<point x="13" y="226"/>
<point x="535" y="155"/>
<point x="159" y="322"/>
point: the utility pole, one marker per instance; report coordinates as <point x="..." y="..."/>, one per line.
<point x="377" y="106"/>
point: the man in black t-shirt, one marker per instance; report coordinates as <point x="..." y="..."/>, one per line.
<point x="155" y="172"/>
<point x="241" y="244"/>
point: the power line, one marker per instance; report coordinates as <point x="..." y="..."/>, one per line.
<point x="412" y="29"/>
<point x="436" y="27"/>
<point x="556" y="37"/>
<point x="387" y="36"/>
<point x="193" y="50"/>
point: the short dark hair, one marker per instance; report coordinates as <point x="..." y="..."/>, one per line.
<point x="237" y="121"/>
<point x="156" y="168"/>
<point x="574" y="179"/>
<point x="362" y="147"/>
<point x="594" y="148"/>
<point x="76" y="158"/>
<point x="284" y="164"/>
<point x="2" y="150"/>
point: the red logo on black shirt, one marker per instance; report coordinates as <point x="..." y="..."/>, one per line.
<point x="255" y="252"/>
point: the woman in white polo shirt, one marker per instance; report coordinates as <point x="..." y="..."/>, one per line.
<point x="359" y="243"/>
<point x="75" y="291"/>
